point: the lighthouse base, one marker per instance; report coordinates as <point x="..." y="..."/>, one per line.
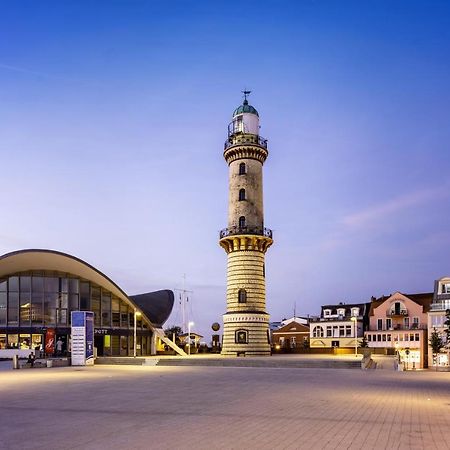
<point x="246" y="334"/>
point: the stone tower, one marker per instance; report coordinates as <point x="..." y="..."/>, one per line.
<point x="246" y="322"/>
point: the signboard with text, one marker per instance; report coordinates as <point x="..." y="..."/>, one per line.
<point x="82" y="338"/>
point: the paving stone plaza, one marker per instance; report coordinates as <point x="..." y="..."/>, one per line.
<point x="112" y="407"/>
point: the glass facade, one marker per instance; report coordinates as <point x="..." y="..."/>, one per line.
<point x="31" y="303"/>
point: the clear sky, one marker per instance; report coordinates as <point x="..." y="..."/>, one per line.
<point x="113" y="116"/>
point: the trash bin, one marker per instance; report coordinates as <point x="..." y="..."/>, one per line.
<point x="49" y="363"/>
<point x="15" y="361"/>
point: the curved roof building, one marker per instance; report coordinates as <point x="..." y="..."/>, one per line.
<point x="40" y="288"/>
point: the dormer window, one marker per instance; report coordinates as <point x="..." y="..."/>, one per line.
<point x="446" y="288"/>
<point x="341" y="312"/>
<point x="327" y="312"/>
<point x="355" y="312"/>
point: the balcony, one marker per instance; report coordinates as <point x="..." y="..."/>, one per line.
<point x="399" y="327"/>
<point x="398" y="313"/>
<point x="440" y="306"/>
<point x="242" y="139"/>
<point x="258" y="231"/>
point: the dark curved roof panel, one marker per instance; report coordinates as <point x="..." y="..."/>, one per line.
<point x="157" y="305"/>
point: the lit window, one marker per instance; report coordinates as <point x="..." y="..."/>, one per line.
<point x="241" y="195"/>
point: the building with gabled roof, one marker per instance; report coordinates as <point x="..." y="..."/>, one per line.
<point x="398" y="325"/>
<point x="292" y="336"/>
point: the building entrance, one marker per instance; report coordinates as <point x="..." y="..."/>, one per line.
<point x="99" y="345"/>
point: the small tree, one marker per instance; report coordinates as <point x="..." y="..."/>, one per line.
<point x="447" y="334"/>
<point x="436" y="344"/>
<point x="447" y="325"/>
<point x="363" y="342"/>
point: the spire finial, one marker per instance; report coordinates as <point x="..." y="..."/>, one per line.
<point x="246" y="94"/>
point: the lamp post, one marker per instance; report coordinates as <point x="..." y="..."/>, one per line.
<point x="136" y="314"/>
<point x="189" y="337"/>
<point x="354" y="320"/>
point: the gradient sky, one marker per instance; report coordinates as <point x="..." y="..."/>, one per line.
<point x="113" y="116"/>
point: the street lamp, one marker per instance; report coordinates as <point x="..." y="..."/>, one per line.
<point x="136" y="314"/>
<point x="354" y="320"/>
<point x="189" y="337"/>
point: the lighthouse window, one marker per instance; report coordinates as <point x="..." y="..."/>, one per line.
<point x="242" y="296"/>
<point x="241" y="194"/>
<point x="241" y="337"/>
<point x="242" y="169"/>
<point x="242" y="222"/>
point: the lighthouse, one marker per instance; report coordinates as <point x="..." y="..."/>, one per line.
<point x="245" y="240"/>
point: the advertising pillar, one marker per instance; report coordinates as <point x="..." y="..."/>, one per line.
<point x="82" y="338"/>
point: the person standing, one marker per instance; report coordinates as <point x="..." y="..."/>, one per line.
<point x="59" y="347"/>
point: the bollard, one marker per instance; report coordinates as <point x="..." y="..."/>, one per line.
<point x="15" y="361"/>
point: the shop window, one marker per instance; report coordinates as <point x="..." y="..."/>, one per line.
<point x="25" y="284"/>
<point x="13" y="284"/>
<point x="13" y="341"/>
<point x="3" y="306"/>
<point x="106" y="309"/>
<point x="37" y="284"/>
<point x="74" y="286"/>
<point x="13" y="308"/>
<point x="2" y="341"/>
<point x="51" y="284"/>
<point x="73" y="302"/>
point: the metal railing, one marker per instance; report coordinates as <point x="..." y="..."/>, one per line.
<point x="397" y="327"/>
<point x="440" y="306"/>
<point x="245" y="139"/>
<point x="259" y="231"/>
<point x="402" y="312"/>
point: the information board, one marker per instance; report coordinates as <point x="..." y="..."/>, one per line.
<point x="82" y="338"/>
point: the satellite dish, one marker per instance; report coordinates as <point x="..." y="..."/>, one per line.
<point x="215" y="326"/>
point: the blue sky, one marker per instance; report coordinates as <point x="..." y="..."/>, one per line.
<point x="113" y="117"/>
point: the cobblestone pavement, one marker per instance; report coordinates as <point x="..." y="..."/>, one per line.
<point x="112" y="407"/>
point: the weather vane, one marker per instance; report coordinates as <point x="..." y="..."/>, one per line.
<point x="246" y="93"/>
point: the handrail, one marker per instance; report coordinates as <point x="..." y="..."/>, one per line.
<point x="259" y="231"/>
<point x="237" y="139"/>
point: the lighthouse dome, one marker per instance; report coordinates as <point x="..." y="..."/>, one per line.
<point x="245" y="108"/>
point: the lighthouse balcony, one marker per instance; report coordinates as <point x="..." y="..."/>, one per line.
<point x="245" y="139"/>
<point x="258" y="231"/>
